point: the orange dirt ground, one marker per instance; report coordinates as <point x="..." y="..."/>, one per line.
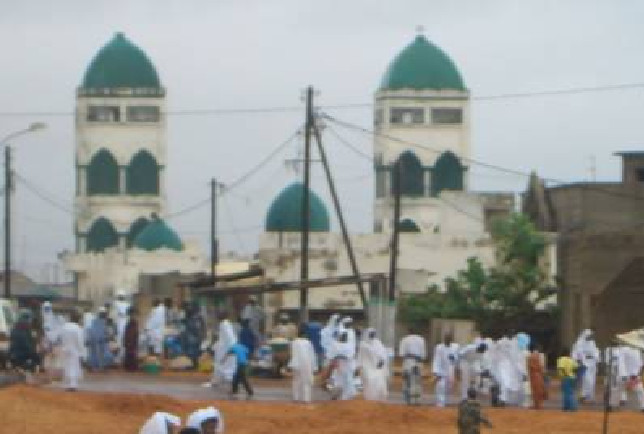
<point x="28" y="409"/>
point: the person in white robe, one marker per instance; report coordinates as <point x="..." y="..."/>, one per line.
<point x="633" y="373"/>
<point x="155" y="327"/>
<point x="72" y="350"/>
<point x="206" y="420"/>
<point x="161" y="423"/>
<point x="342" y="356"/>
<point x="328" y="335"/>
<point x="510" y="370"/>
<point x="586" y="353"/>
<point x="413" y="351"/>
<point x="616" y="377"/>
<point x="119" y="315"/>
<point x="224" y="367"/>
<point x="302" y="364"/>
<point x="372" y="359"/>
<point x="443" y="368"/>
<point x="470" y="365"/>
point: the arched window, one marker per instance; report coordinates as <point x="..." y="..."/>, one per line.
<point x="142" y="174"/>
<point x="447" y="174"/>
<point x="103" y="174"/>
<point x="101" y="236"/>
<point x="411" y="176"/>
<point x="408" y="225"/>
<point x="135" y="230"/>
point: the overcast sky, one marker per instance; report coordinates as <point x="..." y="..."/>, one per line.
<point x="255" y="53"/>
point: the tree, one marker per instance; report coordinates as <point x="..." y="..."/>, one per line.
<point x="499" y="296"/>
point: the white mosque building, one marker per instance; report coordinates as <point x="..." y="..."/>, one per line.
<point x="422" y="117"/>
<point x="120" y="177"/>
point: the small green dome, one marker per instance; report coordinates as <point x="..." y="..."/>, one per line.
<point x="422" y="65"/>
<point x="157" y="235"/>
<point x="120" y="64"/>
<point x="285" y="213"/>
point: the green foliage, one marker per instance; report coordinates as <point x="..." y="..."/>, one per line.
<point x="503" y="293"/>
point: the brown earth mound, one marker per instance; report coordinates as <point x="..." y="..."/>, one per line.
<point x="37" y="410"/>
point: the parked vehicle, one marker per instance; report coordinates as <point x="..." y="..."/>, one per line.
<point x="7" y="320"/>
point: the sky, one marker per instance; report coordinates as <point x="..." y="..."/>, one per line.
<point x="227" y="54"/>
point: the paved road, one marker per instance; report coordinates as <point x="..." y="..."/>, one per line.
<point x="192" y="388"/>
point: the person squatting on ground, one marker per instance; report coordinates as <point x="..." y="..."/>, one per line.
<point x="372" y="360"/>
<point x="302" y="364"/>
<point x="566" y="368"/>
<point x="240" y="354"/>
<point x="470" y="416"/>
<point x="161" y="423"/>
<point x="443" y="368"/>
<point x="413" y="351"/>
<point x="204" y="421"/>
<point x="587" y="355"/>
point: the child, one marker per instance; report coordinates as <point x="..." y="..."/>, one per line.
<point x="469" y="415"/>
<point x="567" y="367"/>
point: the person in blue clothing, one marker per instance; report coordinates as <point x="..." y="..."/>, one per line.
<point x="247" y="337"/>
<point x="240" y="352"/>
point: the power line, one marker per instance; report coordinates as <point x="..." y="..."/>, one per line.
<point x="348" y="144"/>
<point x="477" y="162"/>
<point x="43" y="196"/>
<point x="287" y="109"/>
<point x="240" y="180"/>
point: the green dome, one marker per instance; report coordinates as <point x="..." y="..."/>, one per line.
<point x="120" y="64"/>
<point x="157" y="235"/>
<point x="422" y="65"/>
<point x="285" y="213"/>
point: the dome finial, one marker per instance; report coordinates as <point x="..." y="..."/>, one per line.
<point x="420" y="29"/>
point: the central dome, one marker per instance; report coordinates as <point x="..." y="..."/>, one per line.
<point x="121" y="64"/>
<point x="285" y="213"/>
<point x="157" y="235"/>
<point x="422" y="65"/>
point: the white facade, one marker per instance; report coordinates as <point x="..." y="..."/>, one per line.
<point x="421" y="132"/>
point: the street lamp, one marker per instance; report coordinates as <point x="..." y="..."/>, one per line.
<point x="35" y="126"/>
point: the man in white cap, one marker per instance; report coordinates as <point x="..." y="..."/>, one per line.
<point x="372" y="359"/>
<point x="207" y="421"/>
<point x="224" y="366"/>
<point x="121" y="307"/>
<point x="72" y="350"/>
<point x="444" y="367"/>
<point x="329" y="334"/>
<point x="343" y="365"/>
<point x="302" y="364"/>
<point x="161" y="423"/>
<point x="413" y="351"/>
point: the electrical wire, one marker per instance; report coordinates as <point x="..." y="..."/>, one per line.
<point x="285" y="109"/>
<point x="43" y="196"/>
<point x="348" y="144"/>
<point x="237" y="182"/>
<point x="474" y="162"/>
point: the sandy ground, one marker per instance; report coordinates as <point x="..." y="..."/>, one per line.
<point x="28" y="409"/>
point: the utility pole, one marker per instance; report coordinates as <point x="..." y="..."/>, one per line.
<point x="7" y="221"/>
<point x="343" y="226"/>
<point x="214" y="243"/>
<point x="396" y="233"/>
<point x="304" y="248"/>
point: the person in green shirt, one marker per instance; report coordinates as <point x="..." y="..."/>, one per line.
<point x="567" y="367"/>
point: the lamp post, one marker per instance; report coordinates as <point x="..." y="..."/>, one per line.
<point x="36" y="126"/>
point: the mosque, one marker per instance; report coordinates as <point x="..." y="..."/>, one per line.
<point x="422" y="120"/>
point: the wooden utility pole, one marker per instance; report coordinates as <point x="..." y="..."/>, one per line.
<point x="343" y="226"/>
<point x="214" y="243"/>
<point x="393" y="265"/>
<point x="7" y="221"/>
<point x="306" y="217"/>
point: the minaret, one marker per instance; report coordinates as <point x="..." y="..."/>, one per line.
<point x="423" y="103"/>
<point x="120" y="147"/>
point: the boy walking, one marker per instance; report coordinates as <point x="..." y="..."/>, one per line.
<point x="240" y="352"/>
<point x="470" y="417"/>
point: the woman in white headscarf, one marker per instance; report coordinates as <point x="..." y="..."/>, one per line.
<point x="372" y="359"/>
<point x="161" y="423"/>
<point x="207" y="421"/>
<point x="328" y="334"/>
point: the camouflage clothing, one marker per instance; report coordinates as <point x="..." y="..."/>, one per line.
<point x="470" y="417"/>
